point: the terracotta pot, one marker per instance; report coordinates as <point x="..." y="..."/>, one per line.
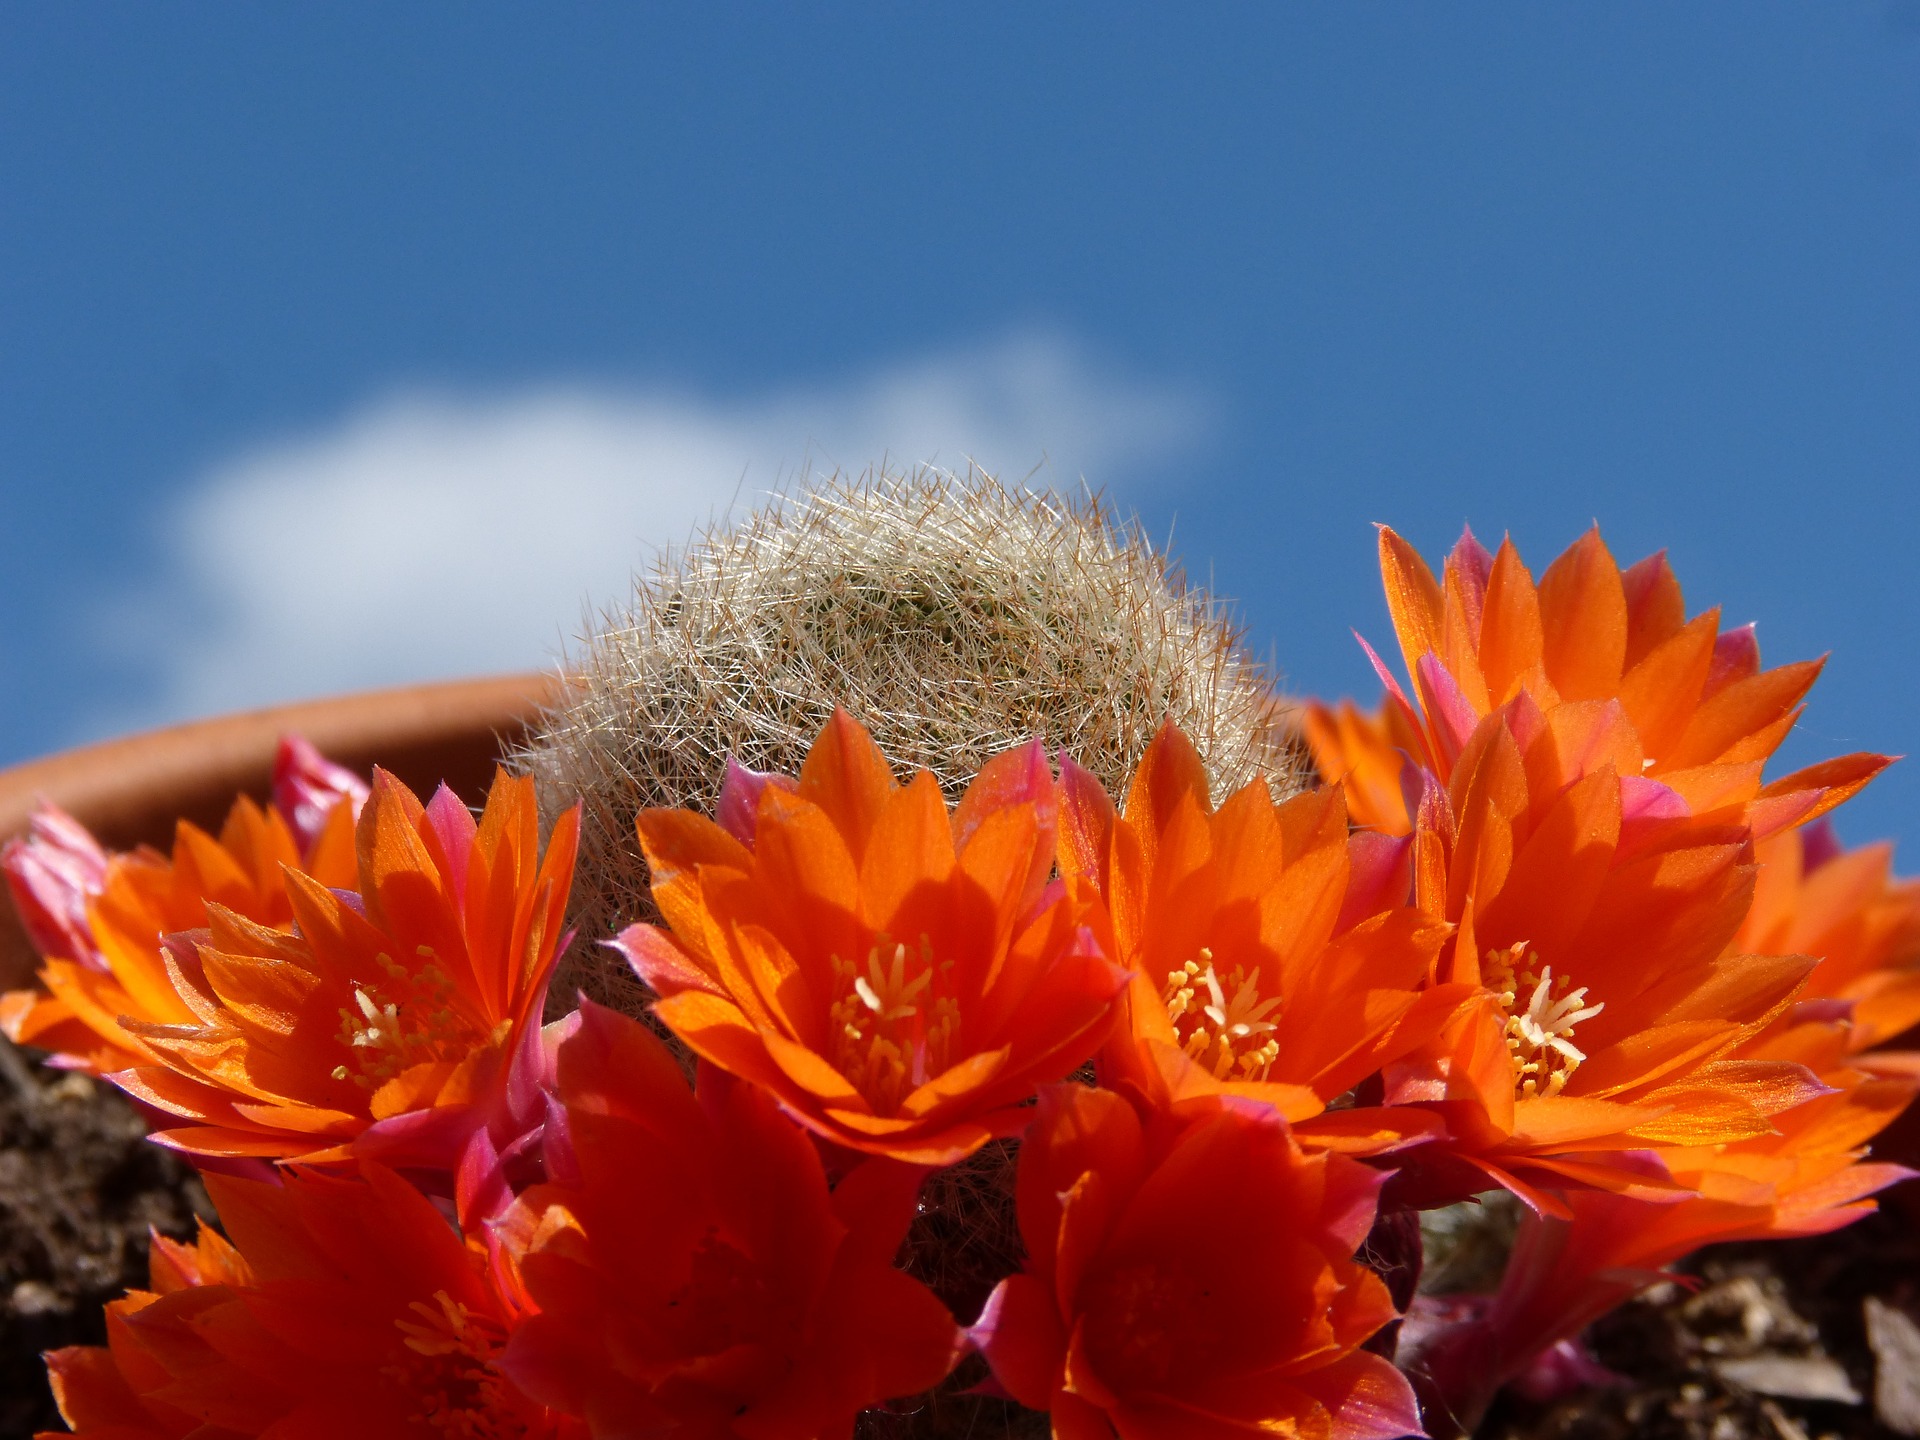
<point x="130" y="791"/>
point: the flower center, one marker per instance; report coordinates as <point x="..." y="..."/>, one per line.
<point x="1139" y="1320"/>
<point x="1540" y="1036"/>
<point x="1222" y="1026"/>
<point x="892" y="1028"/>
<point x="405" y="1018"/>
<point x="447" y="1369"/>
<point x="724" y="1302"/>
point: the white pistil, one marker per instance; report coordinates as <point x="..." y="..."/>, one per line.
<point x="382" y="1025"/>
<point x="899" y="992"/>
<point x="1548" y="1023"/>
<point x="1540" y="1037"/>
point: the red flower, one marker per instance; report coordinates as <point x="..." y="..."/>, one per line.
<point x="1190" y="1276"/>
<point x="342" y="1308"/>
<point x="696" y="1275"/>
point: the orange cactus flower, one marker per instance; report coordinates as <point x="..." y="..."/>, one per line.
<point x="695" y="1275"/>
<point x="341" y="1307"/>
<point x="1809" y="1177"/>
<point x="1191" y="1274"/>
<point x="1596" y="913"/>
<point x="386" y="1014"/>
<point x="1844" y="907"/>
<point x="1708" y="716"/>
<point x="1811" y="1174"/>
<point x="899" y="978"/>
<point x="97" y="919"/>
<point x="1273" y="955"/>
<point x="1366" y="755"/>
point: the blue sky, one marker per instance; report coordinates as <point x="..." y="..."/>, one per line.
<point x="315" y="318"/>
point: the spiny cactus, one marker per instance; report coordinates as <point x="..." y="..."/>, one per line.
<point x="955" y="616"/>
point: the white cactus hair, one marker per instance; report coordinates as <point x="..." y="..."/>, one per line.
<point x="953" y="615"/>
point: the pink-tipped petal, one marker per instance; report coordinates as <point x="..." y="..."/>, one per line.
<point x="454" y="827"/>
<point x="1391" y="685"/>
<point x="556" y="1145"/>
<point x="1380" y="878"/>
<point x="1020" y="776"/>
<point x="52" y="875"/>
<point x="480" y="1189"/>
<point x="1473" y="563"/>
<point x="1427" y="801"/>
<point x="1828" y="1010"/>
<point x="1771" y="814"/>
<point x="663" y="965"/>
<point x="431" y="1139"/>
<point x="1819" y="845"/>
<point x="1396" y="697"/>
<point x="1368" y="1398"/>
<point x="1646" y="808"/>
<point x="1526" y="721"/>
<point x="306" y="787"/>
<point x="1015" y="777"/>
<point x="1087" y="819"/>
<point x="739" y="810"/>
<point x="531" y="1071"/>
<point x="1644" y="799"/>
<point x="1736" y="655"/>
<point x="1450" y="715"/>
<point x="1352" y="1198"/>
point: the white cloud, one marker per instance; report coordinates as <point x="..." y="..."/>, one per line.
<point x="434" y="534"/>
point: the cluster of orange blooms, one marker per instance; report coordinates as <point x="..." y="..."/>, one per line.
<point x="1546" y="924"/>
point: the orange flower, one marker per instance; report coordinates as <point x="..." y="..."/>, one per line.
<point x="342" y="1307"/>
<point x="1845" y="908"/>
<point x="1273" y="954"/>
<point x="393" y="1008"/>
<point x="900" y="979"/>
<point x="1595" y="912"/>
<point x="98" y="920"/>
<point x="1708" y="716"/>
<point x="1810" y="1177"/>
<point x="695" y="1275"/>
<point x="1366" y="755"/>
<point x="1807" y="1175"/>
<point x="1191" y="1275"/>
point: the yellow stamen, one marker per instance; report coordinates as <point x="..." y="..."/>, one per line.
<point x="404" y="1019"/>
<point x="447" y="1367"/>
<point x="1227" y="1030"/>
<point x="892" y="1028"/>
<point x="1540" y="1036"/>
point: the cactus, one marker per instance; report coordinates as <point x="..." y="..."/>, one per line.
<point x="954" y="615"/>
